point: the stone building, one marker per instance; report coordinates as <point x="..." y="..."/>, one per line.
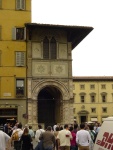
<point x="49" y="71"/>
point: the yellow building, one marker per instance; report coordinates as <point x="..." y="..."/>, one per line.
<point x="13" y="15"/>
<point x="93" y="98"/>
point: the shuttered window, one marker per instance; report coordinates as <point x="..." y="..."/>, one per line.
<point x="19" y="33"/>
<point x="20" y="4"/>
<point x="0" y="57"/>
<point x="0" y="4"/>
<point x="20" y="58"/>
<point x="0" y="32"/>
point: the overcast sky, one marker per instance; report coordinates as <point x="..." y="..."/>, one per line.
<point x="94" y="55"/>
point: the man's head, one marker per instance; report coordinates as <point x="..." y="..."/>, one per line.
<point x="82" y="126"/>
<point x="20" y="125"/>
<point x="39" y="126"/>
<point x="49" y="128"/>
<point x="66" y="126"/>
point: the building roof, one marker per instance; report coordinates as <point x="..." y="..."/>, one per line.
<point x="75" y="34"/>
<point x="92" y="78"/>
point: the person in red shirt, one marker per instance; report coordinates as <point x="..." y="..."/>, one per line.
<point x="73" y="140"/>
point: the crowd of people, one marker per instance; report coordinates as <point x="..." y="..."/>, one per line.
<point x="66" y="137"/>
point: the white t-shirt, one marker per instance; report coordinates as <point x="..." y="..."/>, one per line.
<point x="3" y="139"/>
<point x="64" y="136"/>
<point x="83" y="137"/>
<point x="38" y="133"/>
<point x="20" y="132"/>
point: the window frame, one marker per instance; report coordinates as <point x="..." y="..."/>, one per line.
<point x="20" y="4"/>
<point x="92" y="86"/>
<point x="15" y="33"/>
<point x="0" y="4"/>
<point x="82" y="98"/>
<point x="103" y="86"/>
<point x="48" y="44"/>
<point x="19" y="63"/>
<point x="20" y="95"/>
<point x="93" y="110"/>
<point x="0" y="32"/>
<point x="104" y="109"/>
<point x="82" y="86"/>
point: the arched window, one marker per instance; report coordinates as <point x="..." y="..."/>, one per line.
<point x="46" y="48"/>
<point x="53" y="47"/>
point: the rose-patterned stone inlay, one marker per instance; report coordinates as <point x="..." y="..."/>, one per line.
<point x="59" y="69"/>
<point x="41" y="68"/>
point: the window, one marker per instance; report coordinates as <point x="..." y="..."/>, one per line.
<point x="93" y="110"/>
<point x="103" y="98"/>
<point x="92" y="86"/>
<point x="103" y="86"/>
<point x="0" y="57"/>
<point x="49" y="48"/>
<point x="92" y="98"/>
<point x="74" y="110"/>
<point x="0" y="3"/>
<point x="20" y="59"/>
<point x="19" y="33"/>
<point x="104" y="110"/>
<point x="0" y="32"/>
<point x="82" y="87"/>
<point x="82" y="98"/>
<point x="20" y="4"/>
<point x="20" y="87"/>
<point x="112" y="86"/>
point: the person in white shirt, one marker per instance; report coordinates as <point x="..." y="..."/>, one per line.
<point x="31" y="132"/>
<point x="83" y="138"/>
<point x="4" y="141"/>
<point x="38" y="133"/>
<point x="64" y="136"/>
<point x="17" y="144"/>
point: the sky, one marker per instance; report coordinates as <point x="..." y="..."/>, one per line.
<point x="94" y="55"/>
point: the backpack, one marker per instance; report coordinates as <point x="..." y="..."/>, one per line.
<point x="15" y="136"/>
<point x="93" y="136"/>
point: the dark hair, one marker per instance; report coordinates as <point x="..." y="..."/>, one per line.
<point x="57" y="129"/>
<point x="82" y="125"/>
<point x="75" y="126"/>
<point x="71" y="128"/>
<point x="30" y="127"/>
<point x="20" y="125"/>
<point x="91" y="127"/>
<point x="26" y="131"/>
<point x="39" y="126"/>
<point x="61" y="128"/>
<point x="65" y="126"/>
<point x="49" y="128"/>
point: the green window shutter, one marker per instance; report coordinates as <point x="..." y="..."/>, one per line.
<point x="0" y="3"/>
<point x="18" y="3"/>
<point x="23" y="4"/>
<point x="14" y="33"/>
<point x="0" y="32"/>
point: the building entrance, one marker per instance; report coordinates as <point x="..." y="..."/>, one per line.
<point x="49" y="106"/>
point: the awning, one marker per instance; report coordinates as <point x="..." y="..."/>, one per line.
<point x="103" y="119"/>
<point x="93" y="119"/>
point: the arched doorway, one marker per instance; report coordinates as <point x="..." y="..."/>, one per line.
<point x="49" y="106"/>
